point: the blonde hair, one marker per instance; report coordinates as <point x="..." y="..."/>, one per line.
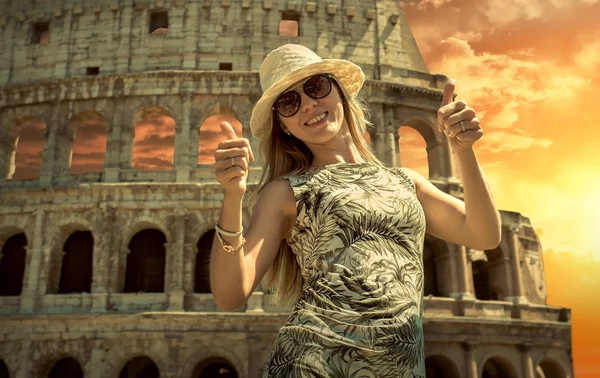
<point x="286" y="155"/>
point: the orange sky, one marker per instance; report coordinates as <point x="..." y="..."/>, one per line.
<point x="530" y="69"/>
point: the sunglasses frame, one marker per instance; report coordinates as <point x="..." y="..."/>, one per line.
<point x="301" y="85"/>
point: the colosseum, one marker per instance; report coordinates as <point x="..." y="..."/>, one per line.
<point x="103" y="272"/>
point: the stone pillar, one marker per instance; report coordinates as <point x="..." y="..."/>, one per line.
<point x="528" y="368"/>
<point x="100" y="281"/>
<point x="47" y="171"/>
<point x="518" y="293"/>
<point x="182" y="140"/>
<point x="190" y="41"/>
<point x="124" y="46"/>
<point x="174" y="263"/>
<point x="437" y="165"/>
<point x="463" y="286"/>
<point x="113" y="144"/>
<point x="245" y="115"/>
<point x="189" y="260"/>
<point x="126" y="139"/>
<point x="25" y="366"/>
<point x="29" y="293"/>
<point x="470" y="360"/>
<point x="391" y="148"/>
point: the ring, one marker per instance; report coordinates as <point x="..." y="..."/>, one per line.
<point x="462" y="127"/>
<point x="232" y="162"/>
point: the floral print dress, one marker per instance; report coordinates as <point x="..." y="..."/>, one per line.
<point x="358" y="239"/>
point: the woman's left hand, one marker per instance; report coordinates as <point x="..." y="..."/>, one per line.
<point x="450" y="117"/>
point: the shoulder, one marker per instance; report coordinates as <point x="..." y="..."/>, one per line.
<point x="279" y="193"/>
<point x="412" y="176"/>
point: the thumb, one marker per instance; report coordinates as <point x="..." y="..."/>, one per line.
<point x="448" y="92"/>
<point x="228" y="130"/>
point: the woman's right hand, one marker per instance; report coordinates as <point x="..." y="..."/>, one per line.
<point x="233" y="177"/>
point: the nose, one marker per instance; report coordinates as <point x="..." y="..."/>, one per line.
<point x="307" y="103"/>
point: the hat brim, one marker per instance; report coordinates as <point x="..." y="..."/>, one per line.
<point x="346" y="73"/>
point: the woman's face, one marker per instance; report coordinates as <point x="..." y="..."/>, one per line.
<point x="317" y="121"/>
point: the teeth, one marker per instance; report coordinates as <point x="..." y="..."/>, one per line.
<point x="316" y="119"/>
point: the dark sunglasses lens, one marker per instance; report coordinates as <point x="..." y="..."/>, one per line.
<point x="317" y="86"/>
<point x="288" y="103"/>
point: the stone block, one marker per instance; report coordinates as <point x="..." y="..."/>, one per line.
<point x="114" y="6"/>
<point x="225" y="3"/>
<point x="140" y="6"/>
<point x="331" y="9"/>
<point x="57" y="13"/>
<point x="245" y="4"/>
<point x="371" y="14"/>
<point x="351" y="11"/>
<point x="291" y="5"/>
<point x="267" y="4"/>
<point x="77" y="10"/>
<point x="311" y="6"/>
<point x="159" y="3"/>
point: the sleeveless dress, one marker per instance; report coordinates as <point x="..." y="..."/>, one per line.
<point x="358" y="240"/>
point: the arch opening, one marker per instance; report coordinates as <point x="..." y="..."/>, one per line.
<point x="66" y="368"/>
<point x="412" y="150"/>
<point x="154" y="140"/>
<point x="202" y="274"/>
<point x="440" y="367"/>
<point x="140" y="367"/>
<point x="76" y="267"/>
<point x="89" y="143"/>
<point x="498" y="367"/>
<point x="145" y="269"/>
<point x="4" y="370"/>
<point x="12" y="265"/>
<point x="549" y="369"/>
<point x="214" y="367"/>
<point x="26" y="158"/>
<point x="211" y="135"/>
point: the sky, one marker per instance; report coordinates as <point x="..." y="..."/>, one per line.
<point x="530" y="69"/>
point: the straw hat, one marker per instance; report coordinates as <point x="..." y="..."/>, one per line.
<point x="289" y="64"/>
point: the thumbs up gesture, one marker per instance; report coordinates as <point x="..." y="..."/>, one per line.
<point x="458" y="121"/>
<point x="231" y="161"/>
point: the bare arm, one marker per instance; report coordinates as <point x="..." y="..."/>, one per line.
<point x="233" y="278"/>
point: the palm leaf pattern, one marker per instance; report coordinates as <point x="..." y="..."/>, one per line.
<point x="358" y="239"/>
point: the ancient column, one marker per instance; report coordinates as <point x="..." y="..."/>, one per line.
<point x="182" y="156"/>
<point x="528" y="368"/>
<point x="174" y="262"/>
<point x="29" y="294"/>
<point x="47" y="172"/>
<point x="390" y="149"/>
<point x="518" y="293"/>
<point x="113" y="144"/>
<point x="470" y="360"/>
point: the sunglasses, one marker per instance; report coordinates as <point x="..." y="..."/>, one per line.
<point x="316" y="87"/>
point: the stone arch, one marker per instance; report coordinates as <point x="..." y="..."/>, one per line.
<point x="435" y="147"/>
<point x="412" y="150"/>
<point x="140" y="367"/>
<point x="490" y="281"/>
<point x="497" y="365"/>
<point x="547" y="367"/>
<point x="201" y="270"/>
<point x="145" y="266"/>
<point x="153" y="138"/>
<point x="120" y="356"/>
<point x="66" y="367"/>
<point x="88" y="129"/>
<point x="206" y="353"/>
<point x="4" y="372"/>
<point x="437" y="271"/>
<point x="13" y="257"/>
<point x="77" y="262"/>
<point x="22" y="148"/>
<point x="440" y="366"/>
<point x="145" y="221"/>
<point x="209" y="132"/>
<point x="66" y="360"/>
<point x="64" y="229"/>
<point x="214" y="366"/>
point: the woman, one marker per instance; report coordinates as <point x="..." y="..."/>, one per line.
<point x="338" y="234"/>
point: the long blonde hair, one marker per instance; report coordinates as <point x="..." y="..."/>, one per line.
<point x="284" y="155"/>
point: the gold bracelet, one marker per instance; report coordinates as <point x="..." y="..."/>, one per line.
<point x="228" y="247"/>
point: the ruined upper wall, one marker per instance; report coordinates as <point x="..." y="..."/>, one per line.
<point x="113" y="36"/>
